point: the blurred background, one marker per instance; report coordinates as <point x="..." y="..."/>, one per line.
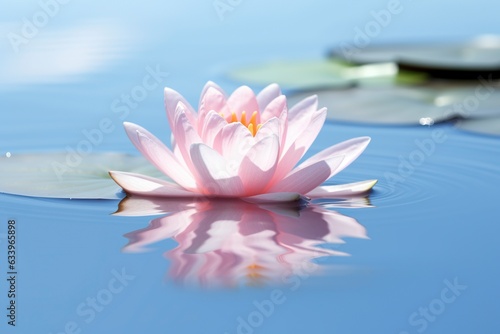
<point x="70" y="60"/>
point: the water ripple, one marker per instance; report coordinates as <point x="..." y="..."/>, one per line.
<point x="409" y="174"/>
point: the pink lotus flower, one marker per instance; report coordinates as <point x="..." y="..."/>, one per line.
<point x="232" y="242"/>
<point x="243" y="146"/>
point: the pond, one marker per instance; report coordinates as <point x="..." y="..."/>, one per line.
<point x="417" y="254"/>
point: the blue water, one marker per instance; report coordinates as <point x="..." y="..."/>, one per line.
<point x="425" y="256"/>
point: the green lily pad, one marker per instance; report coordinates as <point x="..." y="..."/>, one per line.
<point x="479" y="54"/>
<point x="407" y="104"/>
<point x="488" y="126"/>
<point x="309" y="74"/>
<point x="385" y="105"/>
<point x="63" y="175"/>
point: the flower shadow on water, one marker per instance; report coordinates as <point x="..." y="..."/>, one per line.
<point x="227" y="243"/>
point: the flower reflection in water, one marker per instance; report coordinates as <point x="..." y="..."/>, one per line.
<point x="232" y="242"/>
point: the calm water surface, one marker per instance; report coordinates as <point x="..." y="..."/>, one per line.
<point x="423" y="245"/>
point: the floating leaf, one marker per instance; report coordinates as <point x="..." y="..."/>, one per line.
<point x="62" y="175"/>
<point x="489" y="126"/>
<point x="465" y="60"/>
<point x="405" y="105"/>
<point x="387" y="105"/>
<point x="309" y="74"/>
<point x="480" y="100"/>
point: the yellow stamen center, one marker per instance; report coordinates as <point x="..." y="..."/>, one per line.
<point x="252" y="125"/>
<point x="255" y="275"/>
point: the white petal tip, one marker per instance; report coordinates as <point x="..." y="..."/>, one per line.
<point x="343" y="190"/>
<point x="367" y="139"/>
<point x="133" y="183"/>
<point x="373" y="182"/>
<point x="362" y="186"/>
